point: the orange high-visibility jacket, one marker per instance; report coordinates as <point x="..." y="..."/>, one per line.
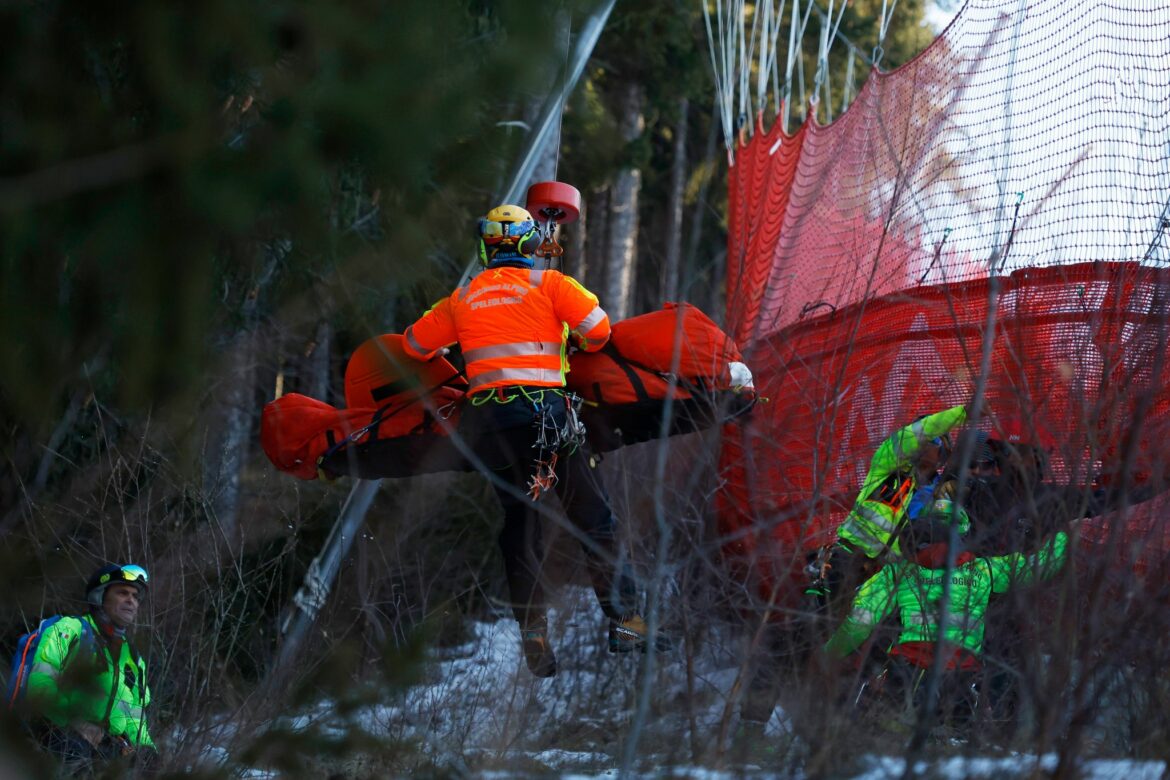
<point x="512" y="325"/>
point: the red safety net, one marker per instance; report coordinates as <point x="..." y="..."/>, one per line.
<point x="1019" y="166"/>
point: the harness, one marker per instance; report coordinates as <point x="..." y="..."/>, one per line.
<point x="552" y="435"/>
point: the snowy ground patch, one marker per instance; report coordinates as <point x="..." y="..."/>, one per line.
<point x="479" y="712"/>
<point x="960" y="768"/>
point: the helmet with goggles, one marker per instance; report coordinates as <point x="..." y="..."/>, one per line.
<point x="932" y="534"/>
<point x="114" y="574"/>
<point x="934" y="524"/>
<point x="507" y="234"/>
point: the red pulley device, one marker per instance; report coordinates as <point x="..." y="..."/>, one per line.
<point x="553" y="202"/>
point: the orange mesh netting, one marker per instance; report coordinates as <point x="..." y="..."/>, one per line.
<point x="1031" y="143"/>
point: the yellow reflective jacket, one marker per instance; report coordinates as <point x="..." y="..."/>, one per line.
<point x="72" y="681"/>
<point x="890" y="484"/>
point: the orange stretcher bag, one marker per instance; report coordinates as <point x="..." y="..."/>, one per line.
<point x="401" y="411"/>
<point x="638" y="362"/>
<point x="398" y="416"/>
<point x="296" y="430"/>
<point x="626" y="383"/>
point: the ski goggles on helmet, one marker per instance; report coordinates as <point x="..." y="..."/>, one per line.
<point x="944" y="446"/>
<point x="493" y="232"/>
<point x="129" y="573"/>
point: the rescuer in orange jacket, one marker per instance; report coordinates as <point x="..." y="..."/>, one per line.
<point x="513" y="323"/>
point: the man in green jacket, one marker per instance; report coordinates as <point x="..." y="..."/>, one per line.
<point x="907" y="460"/>
<point x="910" y="457"/>
<point x="913" y="586"/>
<point x="86" y="687"/>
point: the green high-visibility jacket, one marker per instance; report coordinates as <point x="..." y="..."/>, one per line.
<point x="73" y="680"/>
<point x="890" y="484"/>
<point x="916" y="592"/>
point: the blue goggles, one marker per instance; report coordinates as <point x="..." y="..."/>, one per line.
<point x="493" y="232"/>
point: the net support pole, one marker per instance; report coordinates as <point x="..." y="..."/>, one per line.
<point x="314" y="591"/>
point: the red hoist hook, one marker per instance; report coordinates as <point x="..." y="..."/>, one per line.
<point x="553" y="203"/>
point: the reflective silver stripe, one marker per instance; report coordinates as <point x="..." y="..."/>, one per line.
<point x="130" y="710"/>
<point x="864" y="616"/>
<point x="591" y="321"/>
<point x="515" y="349"/>
<point x="919" y="430"/>
<point x="855" y="531"/>
<point x="413" y="342"/>
<point x="517" y="376"/>
<point x="461" y="292"/>
<point x="868" y="528"/>
<point x="125" y="706"/>
<point x="45" y="669"/>
<point x="869" y="544"/>
<point x="875" y="517"/>
<point x="535" y="277"/>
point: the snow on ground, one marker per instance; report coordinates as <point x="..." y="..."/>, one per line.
<point x="479" y="712"/>
<point x="886" y="767"/>
<point x="483" y="708"/>
<point x="480" y="703"/>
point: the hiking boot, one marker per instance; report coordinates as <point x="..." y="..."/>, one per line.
<point x="538" y="652"/>
<point x="631" y="633"/>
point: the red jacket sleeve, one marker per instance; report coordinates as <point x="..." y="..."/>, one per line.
<point x="579" y="308"/>
<point x="431" y="332"/>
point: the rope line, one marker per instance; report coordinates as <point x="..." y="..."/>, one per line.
<point x="739" y="55"/>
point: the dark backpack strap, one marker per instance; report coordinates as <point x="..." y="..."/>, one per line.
<point x="392" y="389"/>
<point x="85" y="638"/>
<point x="382" y="414"/>
<point x="696" y="387"/>
<point x="134" y="656"/>
<point x="627" y="368"/>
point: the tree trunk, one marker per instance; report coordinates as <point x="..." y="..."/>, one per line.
<point x="233" y="409"/>
<point x="230" y="439"/>
<point x="678" y="184"/>
<point x="716" y="305"/>
<point x="623" y="215"/>
<point x="718" y="288"/>
<point x="546" y="162"/>
<point x="317" y="363"/>
<point x="596" y="242"/>
<point x="574" y="262"/>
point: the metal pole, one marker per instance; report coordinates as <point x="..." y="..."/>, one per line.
<point x="311" y="596"/>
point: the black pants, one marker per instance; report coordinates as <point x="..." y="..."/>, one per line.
<point x="766" y="667"/>
<point x="840" y="572"/>
<point x="78" y="758"/>
<point x="835" y="574"/>
<point x="76" y="754"/>
<point x="503" y="435"/>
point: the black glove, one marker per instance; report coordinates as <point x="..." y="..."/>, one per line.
<point x="114" y="747"/>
